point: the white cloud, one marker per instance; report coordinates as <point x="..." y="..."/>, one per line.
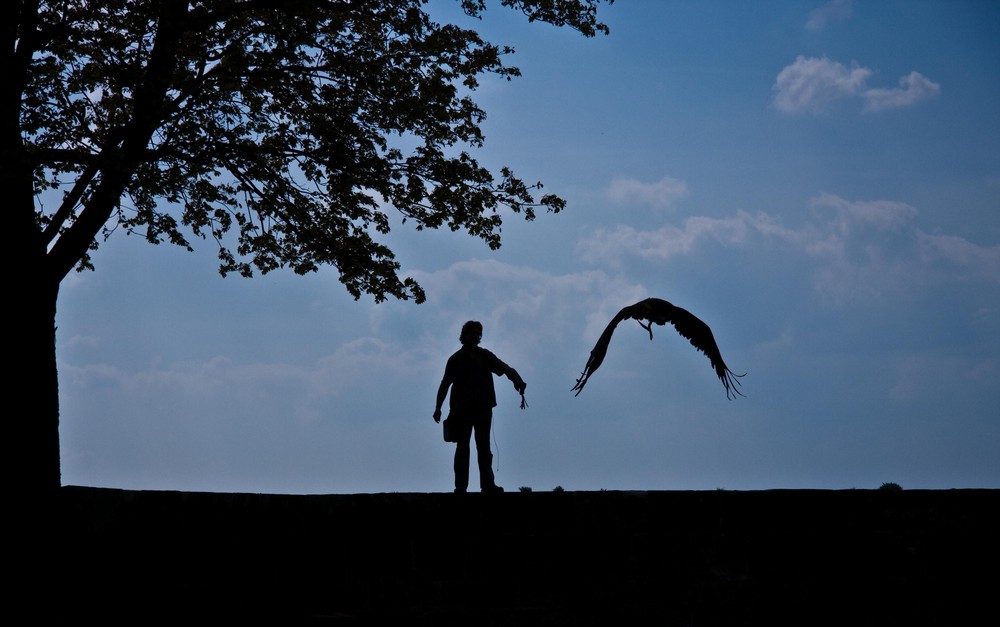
<point x="663" y="243"/>
<point x="833" y="11"/>
<point x="864" y="247"/>
<point x="659" y="195"/>
<point x="883" y="214"/>
<point x="811" y="84"/>
<point x="982" y="260"/>
<point x="912" y="89"/>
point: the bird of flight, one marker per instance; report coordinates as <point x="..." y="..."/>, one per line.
<point x="659" y="311"/>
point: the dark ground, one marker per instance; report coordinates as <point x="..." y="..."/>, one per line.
<point x="774" y="557"/>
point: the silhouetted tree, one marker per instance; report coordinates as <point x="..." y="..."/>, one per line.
<point x="283" y="131"/>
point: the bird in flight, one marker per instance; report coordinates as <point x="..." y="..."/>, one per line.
<point x="659" y="311"/>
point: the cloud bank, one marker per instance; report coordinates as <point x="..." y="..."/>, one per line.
<point x="854" y="247"/>
<point x="812" y="85"/>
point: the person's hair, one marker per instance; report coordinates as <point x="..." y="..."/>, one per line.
<point x="470" y="329"/>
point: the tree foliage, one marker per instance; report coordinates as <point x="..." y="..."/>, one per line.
<point x="285" y="131"/>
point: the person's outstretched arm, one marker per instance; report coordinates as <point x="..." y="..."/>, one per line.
<point x="500" y="367"/>
<point x="516" y="379"/>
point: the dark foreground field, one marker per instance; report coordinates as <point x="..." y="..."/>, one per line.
<point x="774" y="557"/>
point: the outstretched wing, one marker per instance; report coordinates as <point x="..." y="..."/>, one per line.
<point x="700" y="335"/>
<point x="600" y="349"/>
<point x="659" y="311"/>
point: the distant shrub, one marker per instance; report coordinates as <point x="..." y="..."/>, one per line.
<point x="558" y="488"/>
<point x="524" y="488"/>
<point x="889" y="485"/>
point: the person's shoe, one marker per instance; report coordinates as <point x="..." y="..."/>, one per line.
<point x="459" y="490"/>
<point x="495" y="489"/>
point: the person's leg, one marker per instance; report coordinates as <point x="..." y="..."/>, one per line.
<point x="483" y="423"/>
<point x="463" y="433"/>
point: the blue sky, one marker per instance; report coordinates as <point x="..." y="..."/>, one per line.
<point x="817" y="181"/>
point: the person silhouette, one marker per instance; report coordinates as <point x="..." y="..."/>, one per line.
<point x="469" y="373"/>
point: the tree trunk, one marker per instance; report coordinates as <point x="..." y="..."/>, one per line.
<point x="34" y="382"/>
<point x="31" y="420"/>
<point x="32" y="415"/>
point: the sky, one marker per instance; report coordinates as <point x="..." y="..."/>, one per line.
<point x="819" y="182"/>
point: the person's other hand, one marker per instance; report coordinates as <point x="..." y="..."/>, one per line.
<point x="437" y="415"/>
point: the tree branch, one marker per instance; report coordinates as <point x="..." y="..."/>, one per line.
<point x="69" y="202"/>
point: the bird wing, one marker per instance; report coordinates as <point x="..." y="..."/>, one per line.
<point x="659" y="311"/>
<point x="700" y="335"/>
<point x="600" y="349"/>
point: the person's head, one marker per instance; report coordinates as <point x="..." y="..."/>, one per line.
<point x="472" y="332"/>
